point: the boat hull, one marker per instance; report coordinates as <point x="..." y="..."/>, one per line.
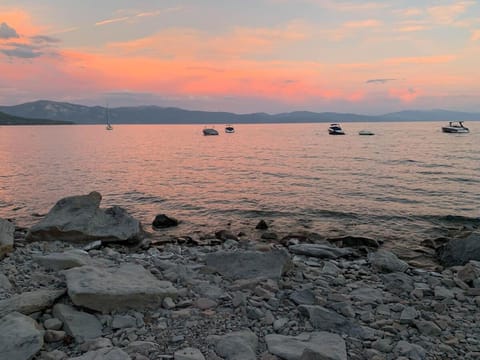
<point x="453" y="130"/>
<point x="336" y="132"/>
<point x="210" y="132"/>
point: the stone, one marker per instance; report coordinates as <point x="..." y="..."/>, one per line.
<point x="205" y="303"/>
<point x="20" y="338"/>
<point x="7" y="231"/>
<point x="328" y="320"/>
<point x="54" y="336"/>
<point x="30" y="302"/>
<point x="5" y="284"/>
<point x="53" y="324"/>
<point x="116" y="288"/>
<point x="320" y="251"/>
<point x="163" y="221"/>
<point x="303" y="297"/>
<point x="168" y="303"/>
<point x="441" y="292"/>
<point x="469" y="272"/>
<point x="225" y="235"/>
<point x="249" y="264"/>
<point x="80" y="219"/>
<point x="144" y="348"/>
<point x="460" y="251"/>
<point x="428" y="328"/>
<point x="408" y="314"/>
<point x="104" y="354"/>
<point x="330" y="269"/>
<point x="238" y="345"/>
<point x="367" y="295"/>
<point x="123" y="321"/>
<point x="316" y="345"/>
<point x="386" y="261"/>
<point x="66" y="260"/>
<point x="413" y="351"/>
<point x="188" y="354"/>
<point x="398" y="283"/>
<point x="95" y="344"/>
<point x="262" y="225"/>
<point x="355" y="241"/>
<point x="81" y="325"/>
<point x="53" y="355"/>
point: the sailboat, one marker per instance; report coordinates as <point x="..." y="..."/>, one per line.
<point x="108" y="126"/>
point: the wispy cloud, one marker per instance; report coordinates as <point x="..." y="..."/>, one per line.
<point x="439" y="59"/>
<point x="7" y="32"/>
<point x="63" y="31"/>
<point x="379" y="81"/>
<point x="111" y="21"/>
<point x="44" y="39"/>
<point x="447" y="14"/>
<point x="370" y="23"/>
<point x="24" y="51"/>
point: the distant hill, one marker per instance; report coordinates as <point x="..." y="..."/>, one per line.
<point x="80" y="114"/>
<point x="7" y="119"/>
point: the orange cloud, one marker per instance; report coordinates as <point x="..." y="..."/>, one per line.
<point x="439" y="59"/>
<point x="405" y="95"/>
<point x="21" y="21"/>
<point x="475" y="35"/>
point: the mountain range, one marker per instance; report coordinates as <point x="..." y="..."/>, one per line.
<point x="7" y="119"/>
<point x="44" y="110"/>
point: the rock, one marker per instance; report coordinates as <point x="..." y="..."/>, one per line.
<point x="239" y="345"/>
<point x="53" y="355"/>
<point x="398" y="283"/>
<point x="123" y="321"/>
<point x="7" y="231"/>
<point x="413" y="351"/>
<point x="163" y="221"/>
<point x="205" y="303"/>
<point x="330" y="269"/>
<point x="269" y="235"/>
<point x="225" y="235"/>
<point x="79" y="219"/>
<point x="54" y="336"/>
<point x="441" y="292"/>
<point x="469" y="272"/>
<point x="320" y="251"/>
<point x="30" y="302"/>
<point x="95" y="344"/>
<point x="427" y="328"/>
<point x="409" y="313"/>
<point x="80" y="325"/>
<point x="262" y="225"/>
<point x="5" y="284"/>
<point x="53" y="324"/>
<point x="367" y="295"/>
<point x="116" y="288"/>
<point x="460" y="251"/>
<point x="355" y="241"/>
<point x="66" y="260"/>
<point x="144" y="348"/>
<point x="188" y="354"/>
<point x="20" y="338"/>
<point x="249" y="264"/>
<point x="303" y="297"/>
<point x="324" y="319"/>
<point x="386" y="261"/>
<point x="317" y="345"/>
<point x="104" y="354"/>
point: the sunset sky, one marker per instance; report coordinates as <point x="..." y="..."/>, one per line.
<point x="243" y="56"/>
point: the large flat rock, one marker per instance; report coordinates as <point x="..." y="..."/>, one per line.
<point x="317" y="345"/>
<point x="320" y="251"/>
<point x="66" y="260"/>
<point x="80" y="219"/>
<point x="249" y="264"/>
<point x="127" y="286"/>
<point x="460" y="251"/>
<point x="7" y="231"/>
<point x="20" y="337"/>
<point x="30" y="302"/>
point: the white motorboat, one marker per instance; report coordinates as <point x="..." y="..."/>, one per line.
<point x="366" y="132"/>
<point x="229" y="129"/>
<point x="335" y="129"/>
<point x="209" y="131"/>
<point x="455" y="127"/>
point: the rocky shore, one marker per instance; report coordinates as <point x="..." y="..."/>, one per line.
<point x="87" y="283"/>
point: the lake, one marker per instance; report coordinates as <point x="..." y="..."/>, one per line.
<point x="408" y="183"/>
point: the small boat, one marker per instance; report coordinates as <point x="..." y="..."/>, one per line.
<point x="366" y="132"/>
<point x="455" y="127"/>
<point x="108" y="126"/>
<point x="229" y="129"/>
<point x="209" y="131"/>
<point x="335" y="129"/>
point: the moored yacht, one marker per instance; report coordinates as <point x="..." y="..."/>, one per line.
<point x="229" y="129"/>
<point x="335" y="129"/>
<point x="455" y="127"/>
<point x="209" y="131"/>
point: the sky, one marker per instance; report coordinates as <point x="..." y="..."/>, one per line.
<point x="243" y="56"/>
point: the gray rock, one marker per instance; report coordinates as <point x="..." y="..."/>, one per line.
<point x="104" y="354"/>
<point x="54" y="336"/>
<point x="123" y="321"/>
<point x="320" y="251"/>
<point x="53" y="355"/>
<point x="398" y="283"/>
<point x="303" y="297"/>
<point x="80" y="325"/>
<point x="460" y="251"/>
<point x="66" y="260"/>
<point x="20" y="338"/>
<point x="188" y="354"/>
<point x="327" y="320"/>
<point x="317" y="345"/>
<point x="409" y="313"/>
<point x="428" y="328"/>
<point x="7" y="231"/>
<point x="249" y="264"/>
<point x="144" y="348"/>
<point x="442" y="292"/>
<point x="30" y="302"/>
<point x="330" y="269"/>
<point x="239" y="345"/>
<point x="95" y="344"/>
<point x="386" y="261"/>
<point x="367" y="295"/>
<point x="413" y="351"/>
<point x="79" y="219"/>
<point x="5" y="284"/>
<point x="116" y="288"/>
<point x="468" y="273"/>
<point x="53" y="324"/>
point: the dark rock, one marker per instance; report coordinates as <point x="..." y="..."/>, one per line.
<point x="355" y="241"/>
<point x="79" y="219"/>
<point x="460" y="251"/>
<point x="225" y="235"/>
<point x="262" y="225"/>
<point x="163" y="221"/>
<point x="320" y="251"/>
<point x="7" y="230"/>
<point x="20" y="337"/>
<point x="303" y="297"/>
<point x="398" y="283"/>
<point x="269" y="236"/>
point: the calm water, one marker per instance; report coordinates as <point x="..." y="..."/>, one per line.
<point x="408" y="183"/>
